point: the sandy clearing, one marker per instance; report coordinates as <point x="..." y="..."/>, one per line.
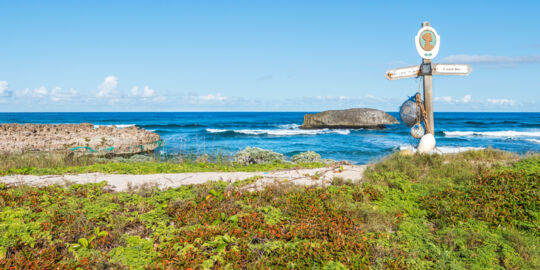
<point x="122" y="182"/>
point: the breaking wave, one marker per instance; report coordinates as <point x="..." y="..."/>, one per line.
<point x="158" y="126"/>
<point x="501" y="134"/>
<point x="289" y="126"/>
<point x="281" y="132"/>
<point x="118" y="125"/>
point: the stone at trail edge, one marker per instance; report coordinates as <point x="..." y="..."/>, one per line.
<point x="350" y="118"/>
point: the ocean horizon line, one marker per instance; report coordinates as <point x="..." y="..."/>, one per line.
<point x="255" y="111"/>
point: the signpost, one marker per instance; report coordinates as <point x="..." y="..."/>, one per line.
<point x="427" y="43"/>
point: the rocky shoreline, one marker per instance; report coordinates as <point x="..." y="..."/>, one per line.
<point x="79" y="138"/>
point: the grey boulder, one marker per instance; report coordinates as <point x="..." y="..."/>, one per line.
<point x="350" y="118"/>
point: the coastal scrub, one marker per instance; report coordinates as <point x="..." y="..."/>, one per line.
<point x="256" y="155"/>
<point x="58" y="163"/>
<point x="473" y="210"/>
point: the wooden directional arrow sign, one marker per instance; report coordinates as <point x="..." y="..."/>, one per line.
<point x="402" y="73"/>
<point x="449" y="69"/>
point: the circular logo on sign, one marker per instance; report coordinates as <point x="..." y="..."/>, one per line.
<point x="428" y="40"/>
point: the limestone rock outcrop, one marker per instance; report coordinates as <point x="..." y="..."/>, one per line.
<point x="351" y="118"/>
<point x="17" y="138"/>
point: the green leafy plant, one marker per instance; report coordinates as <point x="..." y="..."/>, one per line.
<point x="255" y="155"/>
<point x="84" y="243"/>
<point x="307" y="157"/>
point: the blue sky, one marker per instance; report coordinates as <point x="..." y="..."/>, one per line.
<point x="261" y="55"/>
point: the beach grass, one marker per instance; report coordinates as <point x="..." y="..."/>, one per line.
<point x="60" y="163"/>
<point x="472" y="210"/>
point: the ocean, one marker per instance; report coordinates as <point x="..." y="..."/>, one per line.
<point x="228" y="132"/>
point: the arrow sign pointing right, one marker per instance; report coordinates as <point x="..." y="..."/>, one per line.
<point x="451" y="69"/>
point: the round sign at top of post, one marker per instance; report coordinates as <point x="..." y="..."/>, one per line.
<point x="427" y="42"/>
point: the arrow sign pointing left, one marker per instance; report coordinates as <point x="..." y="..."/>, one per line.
<point x="402" y="73"/>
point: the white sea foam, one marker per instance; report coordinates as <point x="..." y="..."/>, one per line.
<point x="502" y="134"/>
<point x="444" y="149"/>
<point x="289" y="126"/>
<point x="215" y="130"/>
<point x="118" y="126"/>
<point x="125" y="125"/>
<point x="533" y="140"/>
<point x="282" y="132"/>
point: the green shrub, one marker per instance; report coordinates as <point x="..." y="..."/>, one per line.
<point x="137" y="253"/>
<point x="255" y="155"/>
<point x="306" y="157"/>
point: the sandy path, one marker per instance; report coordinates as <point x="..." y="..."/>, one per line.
<point x="121" y="182"/>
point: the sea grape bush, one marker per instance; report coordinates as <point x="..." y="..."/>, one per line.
<point x="406" y="214"/>
<point x="255" y="155"/>
<point x="306" y="157"/>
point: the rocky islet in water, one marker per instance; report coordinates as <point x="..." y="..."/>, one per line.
<point x="350" y="118"/>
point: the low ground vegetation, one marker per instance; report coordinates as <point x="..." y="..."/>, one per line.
<point x="248" y="160"/>
<point x="256" y="155"/>
<point x="473" y="210"/>
<point x="309" y="157"/>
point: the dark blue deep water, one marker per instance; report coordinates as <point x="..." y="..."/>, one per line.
<point x="228" y="132"/>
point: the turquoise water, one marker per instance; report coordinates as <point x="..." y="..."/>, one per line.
<point x="228" y="132"/>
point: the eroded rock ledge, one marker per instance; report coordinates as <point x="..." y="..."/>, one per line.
<point x="351" y="118"/>
<point x="17" y="138"/>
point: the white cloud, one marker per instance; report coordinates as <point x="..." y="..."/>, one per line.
<point x="134" y="91"/>
<point x="501" y="101"/>
<point x="446" y="99"/>
<point x="333" y="98"/>
<point x="4" y="92"/>
<point x="146" y="92"/>
<point x="56" y="94"/>
<point x="450" y="100"/>
<point x="36" y="93"/>
<point x="41" y="91"/>
<point x="211" y="97"/>
<point x="491" y="59"/>
<point x="108" y="88"/>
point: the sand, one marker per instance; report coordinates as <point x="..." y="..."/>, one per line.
<point x="123" y="182"/>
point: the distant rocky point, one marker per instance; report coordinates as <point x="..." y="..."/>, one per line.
<point x="351" y="118"/>
<point x="17" y="138"/>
